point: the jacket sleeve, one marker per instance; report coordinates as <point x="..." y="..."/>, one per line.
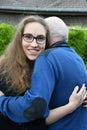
<point x="43" y="80"/>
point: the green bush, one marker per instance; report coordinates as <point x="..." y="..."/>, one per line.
<point x="85" y="50"/>
<point x="6" y="34"/>
<point x="78" y="41"/>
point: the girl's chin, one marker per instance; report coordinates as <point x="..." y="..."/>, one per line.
<point x="32" y="58"/>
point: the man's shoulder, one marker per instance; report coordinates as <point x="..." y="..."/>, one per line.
<point x="47" y="52"/>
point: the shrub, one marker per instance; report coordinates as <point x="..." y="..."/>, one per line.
<point x="6" y="34"/>
<point x="85" y="50"/>
<point x="78" y="41"/>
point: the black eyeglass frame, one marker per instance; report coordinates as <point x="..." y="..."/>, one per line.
<point x="25" y="37"/>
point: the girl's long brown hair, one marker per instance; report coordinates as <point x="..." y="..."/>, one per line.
<point x="15" y="68"/>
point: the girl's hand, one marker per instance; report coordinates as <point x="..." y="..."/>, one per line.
<point x="85" y="101"/>
<point x="78" y="97"/>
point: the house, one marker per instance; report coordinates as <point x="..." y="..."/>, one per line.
<point x="71" y="11"/>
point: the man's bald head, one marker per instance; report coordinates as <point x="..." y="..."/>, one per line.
<point x="58" y="29"/>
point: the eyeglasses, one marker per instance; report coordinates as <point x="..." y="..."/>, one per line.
<point x="40" y="39"/>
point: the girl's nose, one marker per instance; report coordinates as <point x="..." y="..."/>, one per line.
<point x="34" y="43"/>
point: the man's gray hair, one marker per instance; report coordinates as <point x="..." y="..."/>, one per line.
<point x="58" y="29"/>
